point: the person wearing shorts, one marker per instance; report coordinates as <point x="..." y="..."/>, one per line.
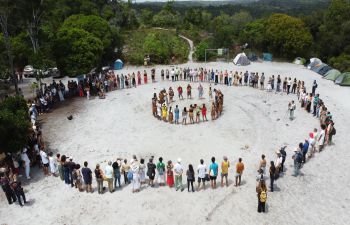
<point x="224" y="171"/>
<point x="45" y="161"/>
<point x="213" y="172"/>
<point x="239" y="172"/>
<point x="202" y="170"/>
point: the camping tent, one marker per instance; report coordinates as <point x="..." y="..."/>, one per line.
<point x="267" y="57"/>
<point x="324" y="70"/>
<point x="314" y="62"/>
<point x="332" y="74"/>
<point x="343" y="79"/>
<point x="241" y="59"/>
<point x="299" y="61"/>
<point x="118" y="64"/>
<point x="318" y="67"/>
<point x="252" y="56"/>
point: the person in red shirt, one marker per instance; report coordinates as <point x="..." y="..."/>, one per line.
<point x="204" y="113"/>
<point x="179" y="91"/>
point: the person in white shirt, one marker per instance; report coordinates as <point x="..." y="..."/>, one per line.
<point x="278" y="162"/>
<point x="311" y="145"/>
<point x="202" y="170"/>
<point x="53" y="164"/>
<point x="178" y="170"/>
<point x="45" y="161"/>
<point x="321" y="138"/>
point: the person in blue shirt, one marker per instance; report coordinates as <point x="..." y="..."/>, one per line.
<point x="213" y="172"/>
<point x="177" y="114"/>
<point x="305" y="148"/>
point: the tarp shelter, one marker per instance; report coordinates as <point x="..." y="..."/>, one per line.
<point x="332" y="75"/>
<point x="314" y="62"/>
<point x="343" y="79"/>
<point x="299" y="61"/>
<point x="241" y="59"/>
<point x="267" y="57"/>
<point x="118" y="64"/>
<point x="252" y="56"/>
<point x="324" y="70"/>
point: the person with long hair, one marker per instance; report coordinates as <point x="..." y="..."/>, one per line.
<point x="184" y="116"/>
<point x="213" y="172"/>
<point x="170" y="174"/>
<point x="272" y="174"/>
<point x="261" y="190"/>
<point x="190" y="177"/>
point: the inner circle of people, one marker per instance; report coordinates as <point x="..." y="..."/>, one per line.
<point x="169" y="173"/>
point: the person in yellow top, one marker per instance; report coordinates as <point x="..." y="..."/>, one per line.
<point x="224" y="171"/>
<point x="164" y="112"/>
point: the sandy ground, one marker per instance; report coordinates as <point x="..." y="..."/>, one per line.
<point x="122" y="125"/>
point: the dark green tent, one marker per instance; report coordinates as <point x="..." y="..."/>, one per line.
<point x="332" y="75"/>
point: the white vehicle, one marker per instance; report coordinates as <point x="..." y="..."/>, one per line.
<point x="28" y="71"/>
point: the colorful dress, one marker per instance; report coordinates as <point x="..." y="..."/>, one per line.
<point x="170" y="176"/>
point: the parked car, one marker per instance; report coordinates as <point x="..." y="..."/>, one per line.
<point x="28" y="71"/>
<point x="52" y="72"/>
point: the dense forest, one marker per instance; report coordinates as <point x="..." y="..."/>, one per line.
<point x="78" y="35"/>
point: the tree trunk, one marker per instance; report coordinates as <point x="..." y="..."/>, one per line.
<point x="8" y="45"/>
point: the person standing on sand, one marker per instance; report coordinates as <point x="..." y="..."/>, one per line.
<point x="239" y="172"/>
<point x="204" y="113"/>
<point x="190" y="177"/>
<point x="177" y="114"/>
<point x="262" y="195"/>
<point x="201" y="170"/>
<point x="180" y="91"/>
<point x="45" y="161"/>
<point x="59" y="166"/>
<point x="135" y="168"/>
<point x="170" y="174"/>
<point x="178" y="169"/>
<point x="161" y="172"/>
<point x="25" y="159"/>
<point x="53" y="164"/>
<point x="272" y="174"/>
<point x="87" y="177"/>
<point x="184" y="116"/>
<point x="109" y="176"/>
<point x="144" y="77"/>
<point x="125" y="170"/>
<point x="200" y="91"/>
<point x="321" y="138"/>
<point x="314" y="86"/>
<point x="291" y="109"/>
<point x="224" y="171"/>
<point x="71" y="166"/>
<point x="151" y="172"/>
<point x="18" y="191"/>
<point x="5" y="185"/>
<point x="116" y="173"/>
<point x="262" y="164"/>
<point x="297" y="158"/>
<point x="213" y="172"/>
<point x="99" y="179"/>
<point x="142" y="171"/>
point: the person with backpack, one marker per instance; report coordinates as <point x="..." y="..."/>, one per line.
<point x="298" y="158"/>
<point x="161" y="172"/>
<point x="261" y="190"/>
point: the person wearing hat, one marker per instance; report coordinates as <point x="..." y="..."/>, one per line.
<point x="178" y="170"/>
<point x="26" y="161"/>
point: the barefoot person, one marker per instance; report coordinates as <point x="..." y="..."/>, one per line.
<point x="204" y="113"/>
<point x="184" y="116"/>
<point x="239" y="172"/>
<point x="190" y="177"/>
<point x="213" y="172"/>
<point x="202" y="171"/>
<point x="170" y="174"/>
<point x="178" y="169"/>
<point x="224" y="171"/>
<point x="161" y="172"/>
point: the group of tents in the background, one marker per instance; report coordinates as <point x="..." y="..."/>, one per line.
<point x="242" y="59"/>
<point x="315" y="64"/>
<point x="325" y="71"/>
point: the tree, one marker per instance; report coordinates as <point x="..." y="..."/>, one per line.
<point x="14" y="124"/>
<point x="287" y="36"/>
<point x="341" y="62"/>
<point x="254" y="34"/>
<point x="6" y="8"/>
<point x="77" y="51"/>
<point x="200" y="50"/>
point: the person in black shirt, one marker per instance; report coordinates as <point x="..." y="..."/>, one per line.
<point x="116" y="171"/>
<point x="5" y="185"/>
<point x="71" y="166"/>
<point x="99" y="179"/>
<point x="272" y="175"/>
<point x="18" y="190"/>
<point x="87" y="176"/>
<point x="151" y="171"/>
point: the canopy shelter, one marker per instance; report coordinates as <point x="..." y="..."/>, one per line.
<point x="314" y="62"/>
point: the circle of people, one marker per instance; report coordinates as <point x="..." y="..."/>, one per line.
<point x="171" y="174"/>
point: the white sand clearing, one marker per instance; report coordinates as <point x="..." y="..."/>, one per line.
<point x="122" y="125"/>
